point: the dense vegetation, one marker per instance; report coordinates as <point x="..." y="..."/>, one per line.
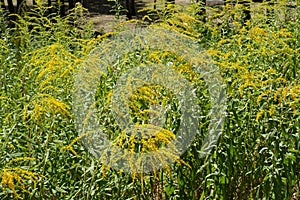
<point x="256" y="157"/>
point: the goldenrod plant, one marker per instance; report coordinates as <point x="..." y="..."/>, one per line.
<point x="43" y="154"/>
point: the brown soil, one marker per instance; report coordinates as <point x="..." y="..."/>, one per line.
<point x="104" y="19"/>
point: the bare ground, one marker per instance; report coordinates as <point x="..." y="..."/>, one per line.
<point x="103" y="17"/>
<point x="105" y="20"/>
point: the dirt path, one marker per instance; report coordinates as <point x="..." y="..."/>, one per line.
<point x="104" y="19"/>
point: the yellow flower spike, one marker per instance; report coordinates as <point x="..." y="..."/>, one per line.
<point x="67" y="71"/>
<point x="184" y="163"/>
<point x="59" y="106"/>
<point x="36" y="111"/>
<point x="70" y="148"/>
<point x="12" y="177"/>
<point x="50" y="87"/>
<point x="108" y="99"/>
<point x="284" y="93"/>
<point x="25" y="110"/>
<point x="295" y="93"/>
<point x="246" y="85"/>
<point x="20" y="159"/>
<point x="272" y="110"/>
<point x="294" y="107"/>
<point x="270" y="72"/>
<point x="266" y="82"/>
<point x="155" y="57"/>
<point x="259" y="115"/>
<point x="280" y="79"/>
<point x="277" y="93"/>
<point x="259" y="98"/>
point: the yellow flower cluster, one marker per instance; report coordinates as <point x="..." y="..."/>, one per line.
<point x="15" y="178"/>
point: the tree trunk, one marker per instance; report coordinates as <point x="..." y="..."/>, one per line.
<point x="71" y="4"/>
<point x="131" y="10"/>
<point x="85" y="3"/>
<point x="11" y="7"/>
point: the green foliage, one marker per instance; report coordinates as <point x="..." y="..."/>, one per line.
<point x="117" y="8"/>
<point x="257" y="156"/>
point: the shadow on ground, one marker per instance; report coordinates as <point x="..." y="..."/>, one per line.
<point x="103" y="14"/>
